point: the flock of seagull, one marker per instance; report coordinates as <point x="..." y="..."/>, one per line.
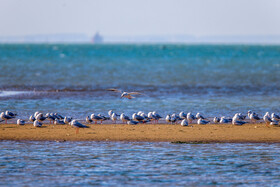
<point x="140" y="117"/>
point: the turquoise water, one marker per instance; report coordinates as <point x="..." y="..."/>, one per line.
<point x="125" y="164"/>
<point x="72" y="79"/>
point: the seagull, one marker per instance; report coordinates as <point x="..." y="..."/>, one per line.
<point x="199" y="116"/>
<point x="114" y="118"/>
<point x="190" y="117"/>
<point x="67" y="120"/>
<point x="168" y="118"/>
<point x="182" y="115"/>
<point x="157" y="116"/>
<point x="127" y="95"/>
<point x="132" y="122"/>
<point x="20" y="122"/>
<point x="5" y="117"/>
<point x="77" y="125"/>
<point x="50" y="117"/>
<point x="184" y="123"/>
<point x="124" y="118"/>
<point x="235" y="120"/>
<point x="200" y="121"/>
<point x="32" y="118"/>
<point x="225" y="120"/>
<point x="58" y="122"/>
<point x="8" y="113"/>
<point x="88" y="120"/>
<point x="254" y="117"/>
<point x="39" y="117"/>
<point x="138" y="118"/>
<point x="36" y="123"/>
<point x="275" y="117"/>
<point x="216" y="120"/>
<point x="96" y="118"/>
<point x="267" y="119"/>
<point x="275" y="123"/>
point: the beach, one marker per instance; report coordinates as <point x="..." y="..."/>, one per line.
<point x="213" y="133"/>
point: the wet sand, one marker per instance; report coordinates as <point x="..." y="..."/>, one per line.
<point x="144" y="132"/>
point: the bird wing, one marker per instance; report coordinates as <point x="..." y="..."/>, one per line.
<point x="114" y="90"/>
<point x="135" y="93"/>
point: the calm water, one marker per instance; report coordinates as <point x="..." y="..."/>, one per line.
<point x="118" y="163"/>
<point x="71" y="79"/>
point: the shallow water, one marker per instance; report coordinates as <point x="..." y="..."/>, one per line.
<point x="72" y="79"/>
<point x="46" y="163"/>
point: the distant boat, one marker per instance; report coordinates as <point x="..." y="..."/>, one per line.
<point x="97" y="38"/>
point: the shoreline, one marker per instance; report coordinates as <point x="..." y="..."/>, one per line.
<point x="194" y="134"/>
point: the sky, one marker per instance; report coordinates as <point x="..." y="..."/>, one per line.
<point x="140" y="17"/>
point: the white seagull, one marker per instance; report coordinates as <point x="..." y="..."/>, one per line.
<point x="20" y="122"/>
<point x="127" y="95"/>
<point x="77" y="125"/>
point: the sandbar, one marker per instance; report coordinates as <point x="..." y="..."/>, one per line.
<point x="213" y="133"/>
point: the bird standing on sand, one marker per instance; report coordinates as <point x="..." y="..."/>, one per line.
<point x="124" y="118"/>
<point x="6" y="117"/>
<point x="254" y="117"/>
<point x="267" y="119"/>
<point x="127" y="95"/>
<point x="77" y="125"/>
<point x="190" y="117"/>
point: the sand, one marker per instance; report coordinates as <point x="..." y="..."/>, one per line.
<point x="145" y="132"/>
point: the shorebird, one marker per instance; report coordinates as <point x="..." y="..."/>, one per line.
<point x="114" y="118"/>
<point x="225" y="120"/>
<point x="190" y="117"/>
<point x="168" y="118"/>
<point x="267" y="119"/>
<point x="275" y="117"/>
<point x="67" y="120"/>
<point x="216" y="120"/>
<point x="124" y="118"/>
<point x="36" y="123"/>
<point x="274" y="123"/>
<point x="235" y="120"/>
<point x="200" y="121"/>
<point x="9" y="113"/>
<point x="132" y="122"/>
<point x="32" y="118"/>
<point x="96" y="118"/>
<point x="138" y="118"/>
<point x="77" y="125"/>
<point x="58" y="122"/>
<point x="5" y="117"/>
<point x="182" y="115"/>
<point x="50" y="117"/>
<point x="184" y="122"/>
<point x="127" y="95"/>
<point x="157" y="116"/>
<point x="88" y="120"/>
<point x="20" y="122"/>
<point x="254" y="117"/>
<point x="199" y="116"/>
<point x="39" y="117"/>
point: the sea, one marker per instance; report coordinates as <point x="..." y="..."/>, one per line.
<point x="72" y="79"/>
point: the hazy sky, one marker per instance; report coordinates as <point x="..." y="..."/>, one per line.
<point x="140" y="17"/>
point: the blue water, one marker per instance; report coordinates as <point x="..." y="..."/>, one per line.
<point x="72" y="79"/>
<point x="118" y="163"/>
